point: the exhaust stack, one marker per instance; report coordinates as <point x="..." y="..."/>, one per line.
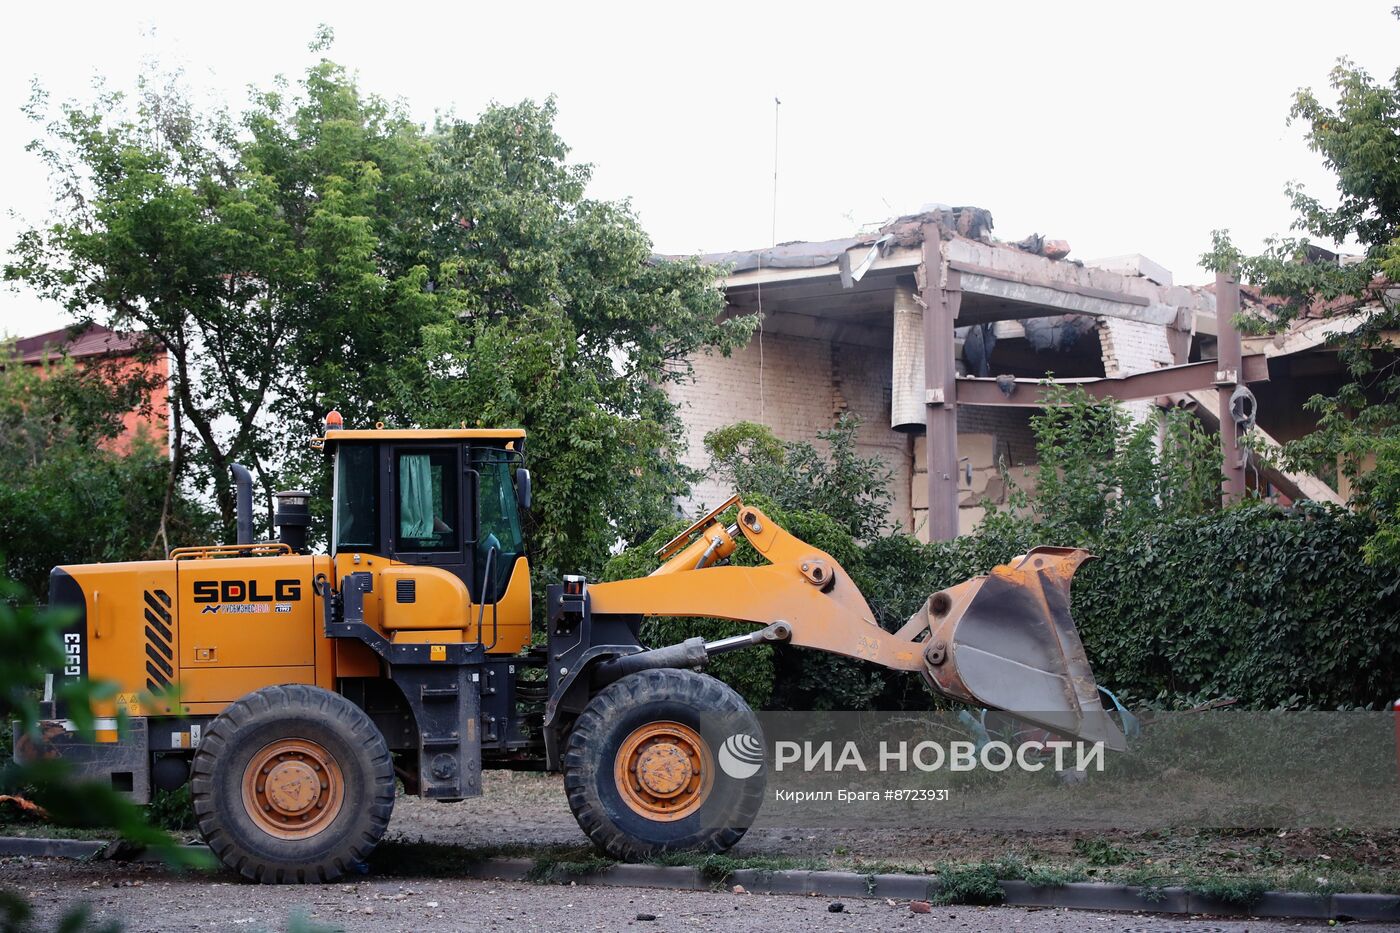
<point x="243" y="486"/>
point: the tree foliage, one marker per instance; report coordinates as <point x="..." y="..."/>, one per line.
<point x="1096" y="467"/>
<point x="852" y="490"/>
<point x="1358" y="138"/>
<point x="319" y="249"/>
<point x="565" y="326"/>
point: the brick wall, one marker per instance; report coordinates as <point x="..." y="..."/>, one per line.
<point x="1133" y="347"/>
<point x="805" y="385"/>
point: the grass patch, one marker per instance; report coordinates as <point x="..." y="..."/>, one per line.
<point x="1053" y="876"/>
<point x="557" y="869"/>
<point x="1234" y="890"/>
<point x="36" y="829"/>
<point x="1102" y="852"/>
<point x="968" y="884"/>
<point x="717" y="868"/>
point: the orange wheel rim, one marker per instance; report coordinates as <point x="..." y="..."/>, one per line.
<point x="293" y="788"/>
<point x="664" y="771"/>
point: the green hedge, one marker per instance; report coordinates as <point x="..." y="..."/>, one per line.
<point x="1269" y="606"/>
<point x="1273" y="607"/>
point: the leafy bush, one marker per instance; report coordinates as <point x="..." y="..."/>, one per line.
<point x="852" y="490"/>
<point x="1274" y="607"/>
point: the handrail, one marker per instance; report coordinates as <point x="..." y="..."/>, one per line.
<point x="210" y="551"/>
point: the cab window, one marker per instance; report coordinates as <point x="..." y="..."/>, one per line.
<point x="427" y="517"/>
<point x="356" y="510"/>
<point x="500" y="522"/>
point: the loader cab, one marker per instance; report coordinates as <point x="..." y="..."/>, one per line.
<point x="449" y="499"/>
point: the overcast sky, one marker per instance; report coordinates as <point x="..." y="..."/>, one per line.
<point x="1120" y="127"/>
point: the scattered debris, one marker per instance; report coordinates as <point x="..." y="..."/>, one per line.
<point x="24" y="805"/>
<point x="920" y="907"/>
<point x="646" y="916"/>
<point x="119" y="850"/>
<point x="835" y="907"/>
<point x="739" y="889"/>
<point x="1050" y="249"/>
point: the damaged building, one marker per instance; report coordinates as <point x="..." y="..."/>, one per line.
<point x="939" y="337"/>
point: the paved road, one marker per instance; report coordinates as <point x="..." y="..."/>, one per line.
<point x="150" y="898"/>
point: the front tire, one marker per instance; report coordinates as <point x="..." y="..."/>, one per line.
<point x="641" y="772"/>
<point x="292" y="784"/>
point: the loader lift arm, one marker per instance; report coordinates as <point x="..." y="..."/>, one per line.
<point x="1004" y="640"/>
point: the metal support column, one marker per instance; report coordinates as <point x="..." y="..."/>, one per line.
<point x="1229" y="375"/>
<point x="941" y="298"/>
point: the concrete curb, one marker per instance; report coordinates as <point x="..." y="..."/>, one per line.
<point x="1076" y="895"/>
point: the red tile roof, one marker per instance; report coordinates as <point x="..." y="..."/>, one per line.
<point x="95" y="340"/>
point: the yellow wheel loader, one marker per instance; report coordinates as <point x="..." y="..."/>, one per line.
<point x="290" y="689"/>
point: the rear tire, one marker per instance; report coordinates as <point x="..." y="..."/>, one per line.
<point x="640" y="767"/>
<point x="292" y="784"/>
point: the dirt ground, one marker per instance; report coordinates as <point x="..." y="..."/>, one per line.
<point x="529" y="809"/>
<point x="150" y="898"/>
<point x="526" y="814"/>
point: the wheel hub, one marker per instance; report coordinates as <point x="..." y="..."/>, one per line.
<point x="293" y="788"/>
<point x="663" y="771"/>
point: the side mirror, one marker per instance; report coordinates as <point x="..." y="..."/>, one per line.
<point x="522" y="488"/>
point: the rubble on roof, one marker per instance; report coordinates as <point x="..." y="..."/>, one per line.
<point x="1040" y="246"/>
<point x="975" y="223"/>
<point x="907" y="231"/>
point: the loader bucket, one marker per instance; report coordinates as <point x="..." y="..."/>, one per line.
<point x="1006" y="641"/>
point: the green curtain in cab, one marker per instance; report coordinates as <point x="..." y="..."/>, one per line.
<point x="415" y="496"/>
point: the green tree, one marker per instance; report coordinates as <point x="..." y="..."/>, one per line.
<point x="276" y="254"/>
<point x="565" y="324"/>
<point x="321" y="250"/>
<point x="1096" y="468"/>
<point x="1358" y="138"/>
<point x="68" y="495"/>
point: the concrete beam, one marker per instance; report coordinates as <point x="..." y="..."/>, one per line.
<point x="940" y="297"/>
<point x="1227" y="306"/>
<point x="1015" y="265"/>
<point x="1134" y="264"/>
<point x="810" y="327"/>
<point x="1169" y="380"/>
<point x="901" y="258"/>
<point x="1067" y="300"/>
